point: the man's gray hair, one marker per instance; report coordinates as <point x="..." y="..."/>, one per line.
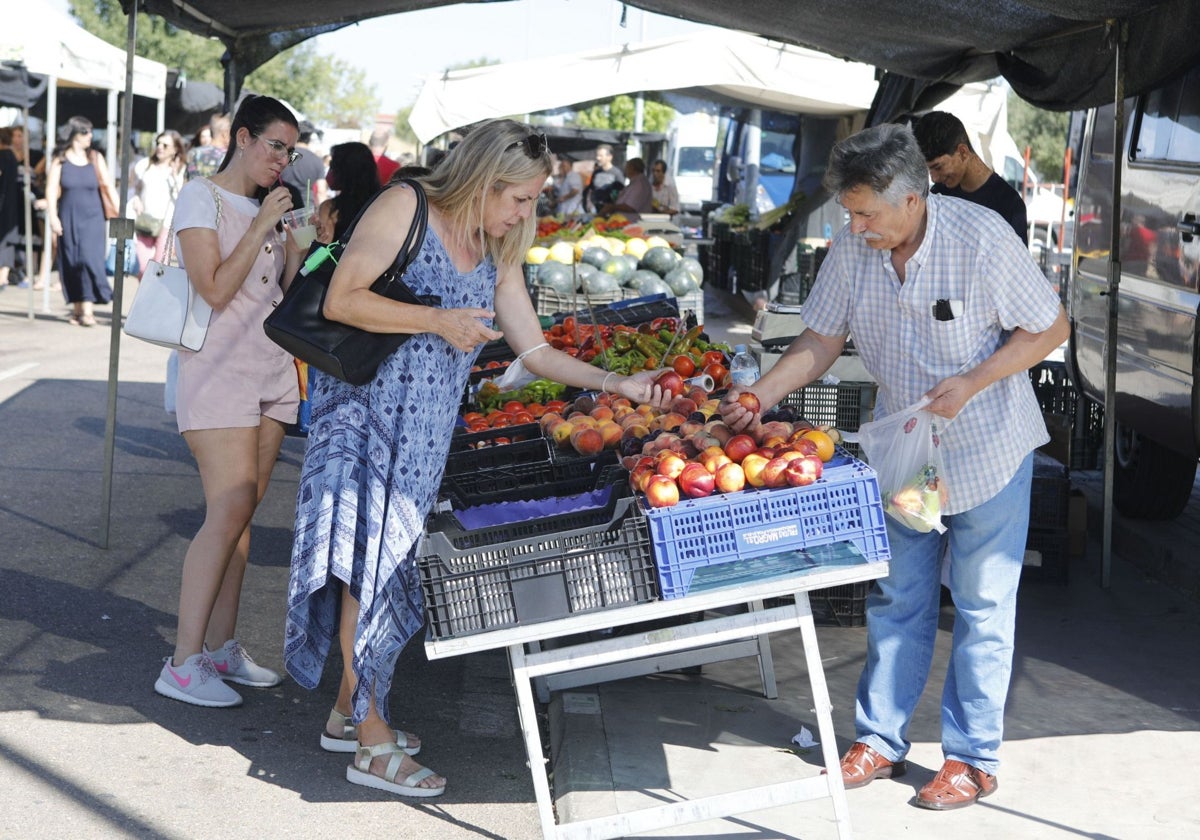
<point x="885" y="158"/>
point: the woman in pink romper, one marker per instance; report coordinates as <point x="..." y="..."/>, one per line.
<point x="236" y="395"/>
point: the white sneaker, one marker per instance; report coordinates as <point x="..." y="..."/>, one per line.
<point x="196" y="681"/>
<point x="235" y="665"/>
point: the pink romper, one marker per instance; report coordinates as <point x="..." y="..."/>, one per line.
<point x="239" y="375"/>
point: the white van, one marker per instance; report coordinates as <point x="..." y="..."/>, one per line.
<point x="693" y="142"/>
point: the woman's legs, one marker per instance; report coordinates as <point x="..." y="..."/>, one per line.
<point x="373" y="730"/>
<point x="347" y="632"/>
<point x="235" y="468"/>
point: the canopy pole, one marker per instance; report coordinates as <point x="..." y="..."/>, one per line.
<point x="28" y="189"/>
<point x="1118" y="32"/>
<point x="122" y="230"/>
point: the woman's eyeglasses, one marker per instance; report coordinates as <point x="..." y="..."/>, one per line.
<point x="534" y="145"/>
<point x="281" y="150"/>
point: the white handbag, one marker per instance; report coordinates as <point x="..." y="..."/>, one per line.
<point x="167" y="310"/>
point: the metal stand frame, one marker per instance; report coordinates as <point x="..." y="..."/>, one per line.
<point x="663" y="649"/>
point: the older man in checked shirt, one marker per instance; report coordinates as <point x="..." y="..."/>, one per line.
<point x="943" y="301"/>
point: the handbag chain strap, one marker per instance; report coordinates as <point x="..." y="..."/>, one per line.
<point x="169" y="254"/>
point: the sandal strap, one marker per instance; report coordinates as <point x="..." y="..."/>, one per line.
<point x="416" y="778"/>
<point x="364" y="755"/>
<point x="350" y="733"/>
<point x="337" y="719"/>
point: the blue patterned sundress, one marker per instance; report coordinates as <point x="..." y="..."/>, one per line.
<point x="375" y="458"/>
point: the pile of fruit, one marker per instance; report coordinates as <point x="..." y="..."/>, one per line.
<point x="698" y="456"/>
<point x="607" y="264"/>
<point x="513" y="412"/>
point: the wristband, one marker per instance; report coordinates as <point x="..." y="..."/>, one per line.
<point x="604" y="384"/>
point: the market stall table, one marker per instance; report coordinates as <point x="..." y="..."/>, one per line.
<point x="530" y="662"/>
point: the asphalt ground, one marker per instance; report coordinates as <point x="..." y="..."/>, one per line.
<point x="1103" y="704"/>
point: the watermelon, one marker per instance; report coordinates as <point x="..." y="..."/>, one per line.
<point x="595" y="256"/>
<point x="639" y="277"/>
<point x="681" y="281"/>
<point x="557" y="276"/>
<point x="617" y="267"/>
<point x="599" y="283"/>
<point x="693" y="268"/>
<point x="584" y="271"/>
<point x="656" y="286"/>
<point x="660" y="260"/>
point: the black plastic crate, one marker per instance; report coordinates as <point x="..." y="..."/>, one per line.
<point x="535" y="474"/>
<point x="1056" y="395"/>
<point x="752" y="251"/>
<point x="846" y="405"/>
<point x="1047" y="555"/>
<point x="719" y="256"/>
<point x="495" y="351"/>
<point x="538" y="570"/>
<point x="1049" y="495"/>
<point x="841" y="606"/>
<point x="630" y="312"/>
<point x="478" y="451"/>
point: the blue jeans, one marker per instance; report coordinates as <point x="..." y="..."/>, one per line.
<point x="987" y="547"/>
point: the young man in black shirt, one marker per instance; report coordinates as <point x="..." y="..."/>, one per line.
<point x="957" y="171"/>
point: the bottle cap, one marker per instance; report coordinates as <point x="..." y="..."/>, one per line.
<point x="739" y="348"/>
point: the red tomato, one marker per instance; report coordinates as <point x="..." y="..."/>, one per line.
<point x="513" y="406"/>
<point x="718" y="373"/>
<point x="713" y="357"/>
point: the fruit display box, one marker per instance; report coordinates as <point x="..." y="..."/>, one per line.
<point x="519" y="471"/>
<point x="550" y="302"/>
<point x="628" y="311"/>
<point x="536" y="570"/>
<point x="843" y="506"/>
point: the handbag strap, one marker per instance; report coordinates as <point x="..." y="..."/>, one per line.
<point x="412" y="242"/>
<point x="169" y="254"/>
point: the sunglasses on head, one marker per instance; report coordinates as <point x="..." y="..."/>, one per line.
<point x="534" y="145"/>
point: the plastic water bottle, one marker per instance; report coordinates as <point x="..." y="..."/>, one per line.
<point x="743" y="370"/>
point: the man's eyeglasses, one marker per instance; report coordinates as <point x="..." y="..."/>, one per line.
<point x="534" y="145"/>
<point x="281" y="150"/>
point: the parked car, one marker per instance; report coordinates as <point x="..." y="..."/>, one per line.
<point x="1157" y="410"/>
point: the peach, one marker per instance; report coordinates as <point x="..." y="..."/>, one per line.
<point x="695" y="481"/>
<point x="730" y="478"/>
<point x="773" y="472"/>
<point x="739" y="446"/>
<point x="661" y="491"/>
<point x="753" y="465"/>
<point x="587" y="441"/>
<point x="671" y="464"/>
<point x="610" y="432"/>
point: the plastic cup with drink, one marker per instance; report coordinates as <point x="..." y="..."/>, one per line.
<point x="301" y="226"/>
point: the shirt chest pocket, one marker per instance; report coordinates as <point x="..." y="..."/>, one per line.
<point x="948" y="347"/>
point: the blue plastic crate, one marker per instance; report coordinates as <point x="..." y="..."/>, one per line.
<point x="844" y="505"/>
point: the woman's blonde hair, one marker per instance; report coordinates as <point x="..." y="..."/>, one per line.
<point x="494" y="154"/>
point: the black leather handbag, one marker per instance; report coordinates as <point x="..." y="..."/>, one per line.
<point x="298" y="323"/>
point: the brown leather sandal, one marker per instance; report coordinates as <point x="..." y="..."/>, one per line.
<point x="956" y="785"/>
<point x="862" y="765"/>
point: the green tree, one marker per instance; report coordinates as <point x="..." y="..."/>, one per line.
<point x="1044" y="132"/>
<point x="402" y="130"/>
<point x="618" y="114"/>
<point x="324" y="88"/>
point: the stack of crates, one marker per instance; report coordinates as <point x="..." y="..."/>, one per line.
<point x="845" y="406"/>
<point x="1047" y="547"/>
<point x="1082" y="418"/>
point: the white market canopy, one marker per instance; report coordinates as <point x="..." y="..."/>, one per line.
<point x="733" y="66"/>
<point x="50" y="43"/>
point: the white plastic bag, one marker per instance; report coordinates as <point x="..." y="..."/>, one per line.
<point x="904" y="449"/>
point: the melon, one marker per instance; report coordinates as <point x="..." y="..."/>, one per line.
<point x="693" y="267"/>
<point x="654" y="286"/>
<point x="599" y="283"/>
<point x="657" y="242"/>
<point x="585" y="270"/>
<point x="557" y="276"/>
<point x="637" y="247"/>
<point x="595" y="255"/>
<point x="660" y="260"/>
<point x="681" y="282"/>
<point x="537" y="255"/>
<point x="563" y="252"/>
<point x="617" y="267"/>
<point x="635" y="280"/>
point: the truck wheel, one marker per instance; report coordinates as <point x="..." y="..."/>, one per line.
<point x="1150" y="481"/>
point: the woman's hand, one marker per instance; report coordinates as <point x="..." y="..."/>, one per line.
<point x="464" y="328"/>
<point x="55" y="225"/>
<point x="641" y="388"/>
<point x="277" y="202"/>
